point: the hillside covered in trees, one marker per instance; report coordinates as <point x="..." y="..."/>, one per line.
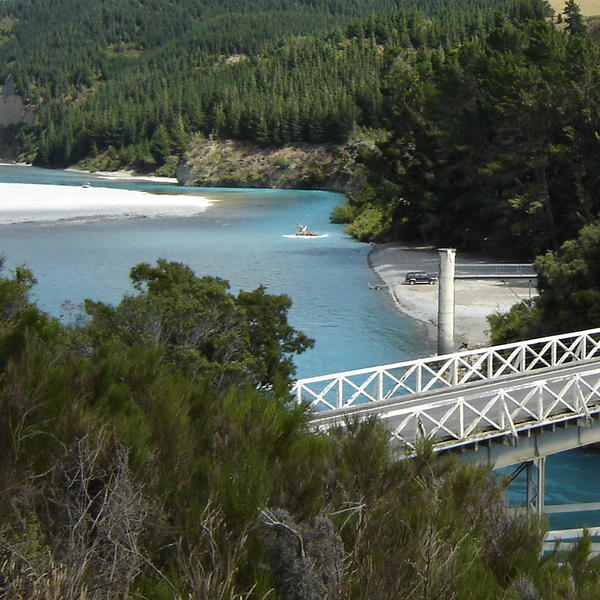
<point x="481" y="118"/>
<point x="137" y="79"/>
<point x="493" y="148"/>
<point x="150" y="450"/>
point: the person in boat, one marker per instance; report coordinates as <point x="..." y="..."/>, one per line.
<point x="303" y="230"/>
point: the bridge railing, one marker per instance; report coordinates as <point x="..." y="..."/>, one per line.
<point x="480" y="415"/>
<point x="375" y="384"/>
<point x="495" y="271"/>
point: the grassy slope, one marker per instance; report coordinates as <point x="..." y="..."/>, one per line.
<point x="589" y="8"/>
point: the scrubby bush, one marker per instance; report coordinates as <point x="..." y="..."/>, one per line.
<point x="124" y="473"/>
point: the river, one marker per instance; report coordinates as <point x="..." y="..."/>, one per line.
<point x="241" y="238"/>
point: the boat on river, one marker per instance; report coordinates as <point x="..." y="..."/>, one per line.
<point x="303" y="231"/>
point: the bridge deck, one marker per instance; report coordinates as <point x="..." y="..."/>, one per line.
<point x="374" y="384"/>
<point x="495" y="271"/>
<point x="496" y="276"/>
<point x="503" y="410"/>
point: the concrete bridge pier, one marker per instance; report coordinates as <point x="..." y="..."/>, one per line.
<point x="536" y="485"/>
<point x="446" y="301"/>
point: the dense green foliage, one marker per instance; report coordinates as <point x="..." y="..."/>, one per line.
<point x="569" y="293"/>
<point x="150" y="449"/>
<point x="490" y="147"/>
<point x="200" y="328"/>
<point x="124" y="476"/>
<point x="137" y="79"/>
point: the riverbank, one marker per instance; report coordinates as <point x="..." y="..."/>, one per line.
<point x="22" y="203"/>
<point x="236" y="164"/>
<point x="475" y="300"/>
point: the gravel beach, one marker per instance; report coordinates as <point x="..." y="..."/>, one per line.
<point x="20" y="202"/>
<point x="475" y="300"/>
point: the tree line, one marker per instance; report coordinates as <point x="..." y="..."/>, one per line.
<point x="490" y="148"/>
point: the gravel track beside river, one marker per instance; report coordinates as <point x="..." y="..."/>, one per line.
<point x="475" y="300"/>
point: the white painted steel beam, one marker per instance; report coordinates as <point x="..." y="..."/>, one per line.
<point x="537" y="443"/>
<point x="553" y="509"/>
<point x="494" y="405"/>
<point x="571" y="534"/>
<point x="566" y="546"/>
<point x="509" y="415"/>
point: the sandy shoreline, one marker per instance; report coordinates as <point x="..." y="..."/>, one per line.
<point x="116" y="175"/>
<point x="128" y="175"/>
<point x="475" y="300"/>
<point x="24" y="202"/>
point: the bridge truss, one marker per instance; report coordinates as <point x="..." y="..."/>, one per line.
<point x="482" y="413"/>
<point x="378" y="384"/>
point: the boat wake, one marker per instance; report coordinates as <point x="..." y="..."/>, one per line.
<point x="305" y="237"/>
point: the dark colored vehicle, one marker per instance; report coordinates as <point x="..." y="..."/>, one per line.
<point x="420" y="277"/>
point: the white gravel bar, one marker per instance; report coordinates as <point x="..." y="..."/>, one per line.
<point x="21" y="203"/>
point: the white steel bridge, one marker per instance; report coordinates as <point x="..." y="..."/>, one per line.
<point x="505" y="405"/>
<point x="471" y="398"/>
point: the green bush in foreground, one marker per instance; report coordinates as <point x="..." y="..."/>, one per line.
<point x="129" y="469"/>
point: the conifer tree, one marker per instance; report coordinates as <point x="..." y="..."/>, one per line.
<point x="573" y="18"/>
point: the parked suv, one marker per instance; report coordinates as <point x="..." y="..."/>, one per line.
<point x="420" y="277"/>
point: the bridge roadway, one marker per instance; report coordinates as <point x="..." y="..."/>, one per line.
<point x="494" y="271"/>
<point x="509" y="405"/>
<point x="503" y="419"/>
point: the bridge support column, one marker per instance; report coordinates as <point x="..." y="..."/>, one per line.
<point x="536" y="485"/>
<point x="446" y="301"/>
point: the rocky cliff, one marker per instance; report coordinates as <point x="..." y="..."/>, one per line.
<point x="12" y="109"/>
<point x="12" y="114"/>
<point x="302" y="166"/>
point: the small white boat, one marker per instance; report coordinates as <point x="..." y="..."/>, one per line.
<point x="303" y="231"/>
